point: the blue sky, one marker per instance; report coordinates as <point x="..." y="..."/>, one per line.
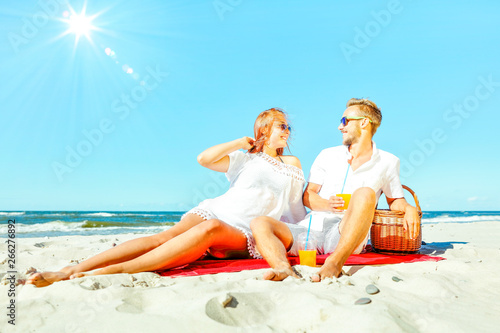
<point x="80" y="133"/>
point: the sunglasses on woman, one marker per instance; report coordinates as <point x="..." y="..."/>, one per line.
<point x="345" y="120"/>
<point x="284" y="127"/>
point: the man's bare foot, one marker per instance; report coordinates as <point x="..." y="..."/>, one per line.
<point x="281" y="274"/>
<point x="46" y="278"/>
<point x="328" y="270"/>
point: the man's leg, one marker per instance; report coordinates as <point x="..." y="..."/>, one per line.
<point x="353" y="229"/>
<point x="273" y="237"/>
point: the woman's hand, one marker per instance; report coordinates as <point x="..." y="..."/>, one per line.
<point x="216" y="158"/>
<point x="247" y="142"/>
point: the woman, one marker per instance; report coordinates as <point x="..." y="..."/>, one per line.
<point x="263" y="183"/>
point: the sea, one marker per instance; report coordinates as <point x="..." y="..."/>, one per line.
<point x="64" y="223"/>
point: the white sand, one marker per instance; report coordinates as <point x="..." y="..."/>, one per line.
<point x="460" y="294"/>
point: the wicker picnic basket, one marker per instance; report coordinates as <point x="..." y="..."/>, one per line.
<point x="387" y="234"/>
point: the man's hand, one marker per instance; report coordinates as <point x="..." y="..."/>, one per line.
<point x="411" y="223"/>
<point x="334" y="203"/>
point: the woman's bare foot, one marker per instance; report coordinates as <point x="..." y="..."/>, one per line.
<point x="46" y="278"/>
<point x="77" y="275"/>
<point x="281" y="274"/>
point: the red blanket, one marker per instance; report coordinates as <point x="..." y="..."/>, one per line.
<point x="202" y="267"/>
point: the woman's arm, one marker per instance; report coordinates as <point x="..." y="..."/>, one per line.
<point x="215" y="158"/>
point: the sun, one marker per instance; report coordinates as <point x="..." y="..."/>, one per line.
<point x="79" y="24"/>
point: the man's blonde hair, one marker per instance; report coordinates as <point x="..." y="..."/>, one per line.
<point x="367" y="109"/>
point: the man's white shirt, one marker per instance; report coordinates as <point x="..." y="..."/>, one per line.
<point x="331" y="169"/>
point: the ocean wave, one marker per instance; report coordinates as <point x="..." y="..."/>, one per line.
<point x="462" y="219"/>
<point x="105" y="214"/>
<point x="11" y="213"/>
<point x="44" y="227"/>
<point x="134" y="214"/>
<point x="100" y="214"/>
<point x="147" y="215"/>
<point x="109" y="224"/>
<point x="82" y="227"/>
<point x="138" y="214"/>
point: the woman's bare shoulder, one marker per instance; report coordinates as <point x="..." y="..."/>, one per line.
<point x="292" y="160"/>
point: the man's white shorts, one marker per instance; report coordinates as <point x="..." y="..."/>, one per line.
<point x="325" y="231"/>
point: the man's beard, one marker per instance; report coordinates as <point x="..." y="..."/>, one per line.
<point x="350" y="139"/>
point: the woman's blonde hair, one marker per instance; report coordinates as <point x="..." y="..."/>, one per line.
<point x="263" y="128"/>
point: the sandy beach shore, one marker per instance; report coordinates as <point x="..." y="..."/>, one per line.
<point x="459" y="294"/>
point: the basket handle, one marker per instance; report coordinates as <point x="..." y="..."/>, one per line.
<point x="414" y="197"/>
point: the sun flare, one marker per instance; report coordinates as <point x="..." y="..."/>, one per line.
<point x="79" y="24"/>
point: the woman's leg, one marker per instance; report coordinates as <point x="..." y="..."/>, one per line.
<point x="123" y="252"/>
<point x="273" y="239"/>
<point x="184" y="249"/>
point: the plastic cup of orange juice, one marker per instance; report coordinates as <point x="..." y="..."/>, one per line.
<point x="347" y="199"/>
<point x="307" y="256"/>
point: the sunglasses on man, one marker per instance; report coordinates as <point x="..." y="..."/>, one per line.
<point x="345" y="120"/>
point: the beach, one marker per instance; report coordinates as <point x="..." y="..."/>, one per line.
<point x="123" y="119"/>
<point x="461" y="293"/>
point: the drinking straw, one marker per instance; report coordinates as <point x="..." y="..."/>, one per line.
<point x="348" y="166"/>
<point x="308" y="229"/>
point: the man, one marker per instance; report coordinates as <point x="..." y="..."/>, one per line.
<point x="357" y="167"/>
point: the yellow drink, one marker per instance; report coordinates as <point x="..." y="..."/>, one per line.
<point x="347" y="198"/>
<point x="307" y="257"/>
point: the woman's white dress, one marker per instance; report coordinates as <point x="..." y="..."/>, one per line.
<point x="259" y="186"/>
